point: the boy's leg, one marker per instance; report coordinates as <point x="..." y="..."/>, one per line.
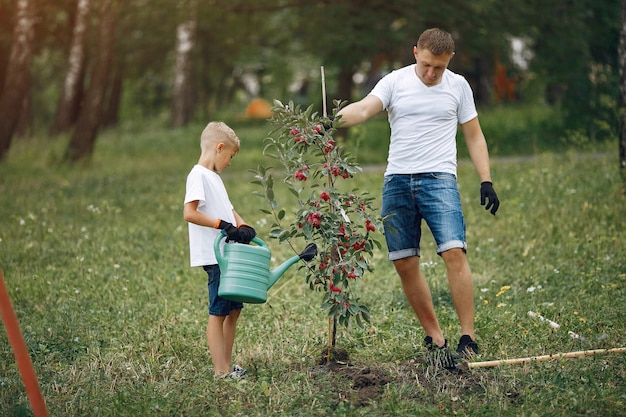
<point x="217" y="344"/>
<point x="418" y="294"/>
<point x="229" y="329"/>
<point x="461" y="288"/>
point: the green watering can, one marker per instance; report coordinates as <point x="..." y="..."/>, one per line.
<point x="245" y="274"/>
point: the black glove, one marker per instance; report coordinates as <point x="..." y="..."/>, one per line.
<point x="309" y="252"/>
<point x="246" y="233"/>
<point x="488" y="193"/>
<point x="232" y="233"/>
<point x="328" y="126"/>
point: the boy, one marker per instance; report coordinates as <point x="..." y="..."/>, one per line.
<point x="207" y="210"/>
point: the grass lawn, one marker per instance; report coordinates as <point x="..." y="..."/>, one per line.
<point x="96" y="263"/>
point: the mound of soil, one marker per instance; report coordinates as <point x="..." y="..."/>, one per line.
<point x="367" y="383"/>
<point x="363" y="384"/>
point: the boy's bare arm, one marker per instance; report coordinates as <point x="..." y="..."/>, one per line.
<point x="238" y="219"/>
<point x="192" y="215"/>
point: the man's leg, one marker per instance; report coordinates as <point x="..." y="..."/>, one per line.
<point x="418" y="294"/>
<point x="461" y="288"/>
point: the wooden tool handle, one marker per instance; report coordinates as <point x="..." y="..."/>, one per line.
<point x="20" y="351"/>
<point x="577" y="354"/>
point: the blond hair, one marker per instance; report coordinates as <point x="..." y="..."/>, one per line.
<point x="436" y="41"/>
<point x="216" y="132"/>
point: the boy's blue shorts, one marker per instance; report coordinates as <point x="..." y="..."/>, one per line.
<point x="218" y="306"/>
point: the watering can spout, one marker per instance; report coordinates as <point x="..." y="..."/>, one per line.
<point x="306" y="255"/>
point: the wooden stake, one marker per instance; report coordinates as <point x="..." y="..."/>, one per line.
<point x="20" y="351"/>
<point x="329" y="342"/>
<point x="323" y="92"/>
<point x="577" y="354"/>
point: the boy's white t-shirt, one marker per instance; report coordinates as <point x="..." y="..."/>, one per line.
<point x="424" y="120"/>
<point x="208" y="188"/>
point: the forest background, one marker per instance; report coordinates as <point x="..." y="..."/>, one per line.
<point x="73" y="68"/>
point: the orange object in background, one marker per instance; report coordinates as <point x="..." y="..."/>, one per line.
<point x="259" y="109"/>
<point x="504" y="85"/>
<point x="20" y="351"/>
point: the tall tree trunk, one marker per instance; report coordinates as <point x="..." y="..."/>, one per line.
<point x="621" y="54"/>
<point x="344" y="92"/>
<point x="68" y="106"/>
<point x="90" y="118"/>
<point x="17" y="81"/>
<point x="482" y="92"/>
<point x="111" y="113"/>
<point x="345" y="83"/>
<point x="25" y="119"/>
<point x="182" y="106"/>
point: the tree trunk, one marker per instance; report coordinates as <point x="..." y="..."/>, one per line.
<point x="25" y="119"/>
<point x="90" y="118"/>
<point x="621" y="54"/>
<point x="111" y="113"/>
<point x="68" y="106"/>
<point x="17" y="81"/>
<point x="344" y="92"/>
<point x="182" y="105"/>
<point x="482" y="92"/>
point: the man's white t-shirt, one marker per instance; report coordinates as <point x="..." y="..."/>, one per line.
<point x="424" y="120"/>
<point x="207" y="187"/>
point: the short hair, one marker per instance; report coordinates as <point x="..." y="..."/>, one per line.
<point x="436" y="41"/>
<point x="216" y="132"/>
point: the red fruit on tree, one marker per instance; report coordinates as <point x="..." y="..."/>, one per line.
<point x="332" y="288"/>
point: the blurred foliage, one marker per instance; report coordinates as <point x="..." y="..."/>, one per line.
<point x="273" y="49"/>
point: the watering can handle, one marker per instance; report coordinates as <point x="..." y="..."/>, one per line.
<point x="255" y="239"/>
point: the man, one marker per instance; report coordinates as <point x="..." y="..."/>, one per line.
<point x="425" y="103"/>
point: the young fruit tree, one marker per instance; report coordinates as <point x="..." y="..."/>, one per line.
<point x="339" y="219"/>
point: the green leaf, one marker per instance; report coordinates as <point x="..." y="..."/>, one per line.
<point x="275" y="233"/>
<point x="365" y="316"/>
<point x="362" y="264"/>
<point x="353" y="309"/>
<point x="326" y="306"/>
<point x="365" y="313"/>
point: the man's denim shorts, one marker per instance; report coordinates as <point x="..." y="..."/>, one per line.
<point x="409" y="198"/>
<point x="218" y="306"/>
